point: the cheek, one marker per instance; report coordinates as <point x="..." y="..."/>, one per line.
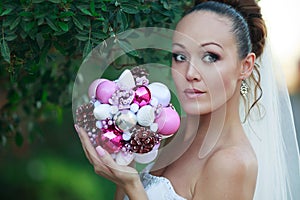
<point x="178" y="77"/>
<point x="229" y="79"/>
<point x="221" y="85"/>
<point x="229" y="84"/>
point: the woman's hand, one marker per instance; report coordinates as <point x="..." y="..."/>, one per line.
<point x="125" y="177"/>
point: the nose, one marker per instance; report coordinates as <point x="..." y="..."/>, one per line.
<point x="193" y="73"/>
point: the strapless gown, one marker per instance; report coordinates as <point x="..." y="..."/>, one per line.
<point x="158" y="188"/>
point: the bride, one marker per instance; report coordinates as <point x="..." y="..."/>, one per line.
<point x="241" y="140"/>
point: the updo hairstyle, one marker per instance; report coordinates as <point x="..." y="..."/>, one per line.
<point x="249" y="29"/>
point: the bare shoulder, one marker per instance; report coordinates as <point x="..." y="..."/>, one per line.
<point x="232" y="161"/>
<point x="229" y="172"/>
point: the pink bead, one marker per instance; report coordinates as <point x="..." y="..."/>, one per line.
<point x="105" y="90"/>
<point x="168" y="121"/>
<point x="110" y="140"/>
<point x="142" y="96"/>
<point x="93" y="87"/>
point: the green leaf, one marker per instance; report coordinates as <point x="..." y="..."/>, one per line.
<point x="166" y="5"/>
<point x="5" y="52"/>
<point x="99" y="35"/>
<point x="60" y="32"/>
<point x="100" y="19"/>
<point x="19" y="139"/>
<point x="29" y="26"/>
<point x="87" y="48"/>
<point x="15" y="23"/>
<point x="84" y="32"/>
<point x="127" y="34"/>
<point x="8" y="20"/>
<point x="104" y="7"/>
<point x="40" y="14"/>
<point x="84" y="20"/>
<point x="45" y="50"/>
<point x="10" y="37"/>
<point x="60" y="48"/>
<point x="25" y="14"/>
<point x="51" y="24"/>
<point x="40" y="21"/>
<point x="130" y="9"/>
<point x="84" y="10"/>
<point x="134" y="53"/>
<point x="127" y="48"/>
<point x="81" y="37"/>
<point x="55" y="1"/>
<point x="77" y="23"/>
<point x="147" y="10"/>
<point x="122" y="18"/>
<point x="63" y="26"/>
<point x="37" y="1"/>
<point x="92" y="7"/>
<point x="167" y="13"/>
<point x="66" y="14"/>
<point x="23" y="34"/>
<point x="157" y="7"/>
<point x="6" y="12"/>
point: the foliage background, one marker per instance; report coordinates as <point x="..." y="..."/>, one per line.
<point x="42" y="44"/>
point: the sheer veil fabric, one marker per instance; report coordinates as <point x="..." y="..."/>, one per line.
<point x="271" y="131"/>
<point x="272" y="135"/>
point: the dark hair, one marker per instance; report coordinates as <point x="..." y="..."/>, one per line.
<point x="248" y="10"/>
<point x="248" y="27"/>
<point x="239" y="25"/>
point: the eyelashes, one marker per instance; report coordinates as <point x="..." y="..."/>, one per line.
<point x="208" y="57"/>
<point x="179" y="57"/>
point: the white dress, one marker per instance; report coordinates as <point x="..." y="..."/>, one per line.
<point x="158" y="188"/>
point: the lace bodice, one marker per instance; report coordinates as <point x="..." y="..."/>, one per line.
<point x="158" y="188"/>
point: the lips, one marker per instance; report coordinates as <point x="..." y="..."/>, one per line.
<point x="193" y="93"/>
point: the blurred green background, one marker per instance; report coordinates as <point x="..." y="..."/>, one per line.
<point x="52" y="167"/>
<point x="42" y="45"/>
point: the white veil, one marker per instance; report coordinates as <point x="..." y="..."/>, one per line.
<point x="273" y="136"/>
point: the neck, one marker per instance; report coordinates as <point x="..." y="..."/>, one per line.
<point x="220" y="123"/>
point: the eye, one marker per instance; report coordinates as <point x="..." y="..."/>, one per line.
<point x="179" y="57"/>
<point x="210" y="58"/>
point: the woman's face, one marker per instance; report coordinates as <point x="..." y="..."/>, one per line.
<point x="205" y="64"/>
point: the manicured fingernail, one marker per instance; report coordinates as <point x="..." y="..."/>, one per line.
<point x="100" y="151"/>
<point x="76" y="127"/>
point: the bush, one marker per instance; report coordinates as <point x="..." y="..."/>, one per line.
<point x="42" y="45"/>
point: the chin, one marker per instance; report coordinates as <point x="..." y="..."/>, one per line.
<point x="197" y="109"/>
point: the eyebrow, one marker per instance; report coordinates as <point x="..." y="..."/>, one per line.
<point x="202" y="45"/>
<point x="211" y="43"/>
<point x="177" y="44"/>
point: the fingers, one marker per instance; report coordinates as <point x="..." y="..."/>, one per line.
<point x="106" y="158"/>
<point x="102" y="161"/>
<point x="91" y="153"/>
<point x="115" y="169"/>
<point x="86" y="145"/>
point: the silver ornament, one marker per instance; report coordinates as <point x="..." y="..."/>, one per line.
<point x="125" y="120"/>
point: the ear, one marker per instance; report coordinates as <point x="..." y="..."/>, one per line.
<point x="247" y="66"/>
